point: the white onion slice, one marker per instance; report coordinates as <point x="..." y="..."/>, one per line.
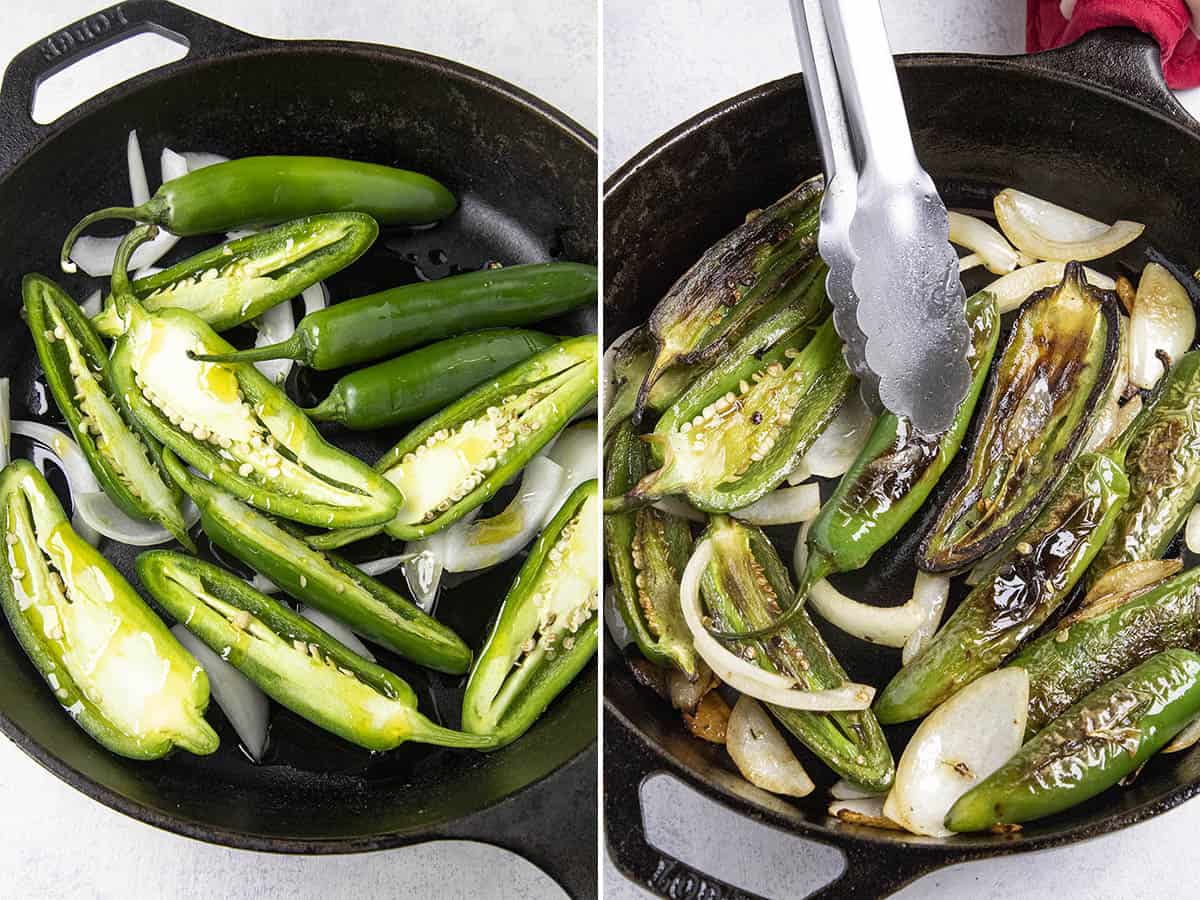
<point x="677" y="506"/>
<point x="800" y="474"/>
<point x="577" y="451"/>
<point x="608" y="361"/>
<point x="686" y="693"/>
<point x="99" y="511"/>
<point x="1191" y="534"/>
<point x="315" y="296"/>
<point x="1162" y="320"/>
<point x="783" y="506"/>
<point x="337" y="629"/>
<point x="80" y="478"/>
<point x="263" y="584"/>
<point x="5" y="424"/>
<point x="1013" y="289"/>
<point x="139" y="186"/>
<point x="245" y="706"/>
<point x="969" y="262"/>
<point x="94" y="303"/>
<point x="381" y="566"/>
<point x="275" y="325"/>
<point x="1126" y="413"/>
<point x="930" y="593"/>
<point x="959" y="744"/>
<point x="1186" y="738"/>
<point x="848" y="790"/>
<point x="985" y="242"/>
<point x="746" y="677"/>
<point x="866" y="811"/>
<point x="198" y="160"/>
<point x="833" y="452"/>
<point x="617" y="629"/>
<point x="1048" y="231"/>
<point x="761" y="753"/>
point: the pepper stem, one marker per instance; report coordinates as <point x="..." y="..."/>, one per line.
<point x="817" y="567"/>
<point x="426" y="732"/>
<point x="331" y="409"/>
<point x="121" y="290"/>
<point x="292" y="348"/>
<point x="129" y="213"/>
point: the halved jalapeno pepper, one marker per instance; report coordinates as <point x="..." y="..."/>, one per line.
<point x="630" y="363"/>
<point x="109" y="660"/>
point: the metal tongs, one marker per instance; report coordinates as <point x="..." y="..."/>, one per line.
<point x="898" y="303"/>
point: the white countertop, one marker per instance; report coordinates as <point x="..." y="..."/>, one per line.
<point x="56" y="842"/>
<point x="664" y="62"/>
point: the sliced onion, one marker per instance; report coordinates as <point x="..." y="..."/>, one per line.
<point x="1126" y="413"/>
<point x="381" y="566"/>
<point x="5" y="424"/>
<point x="197" y="160"/>
<point x="337" y="629"/>
<point x="94" y="303"/>
<point x="1163" y="320"/>
<point x="746" y="677"/>
<point x="1048" y="231"/>
<point x="315" y="296"/>
<point x="608" y="361"/>
<point x="761" y="753"/>
<point x="1186" y="738"/>
<point x="139" y="186"/>
<point x="833" y="452"/>
<point x="968" y="262"/>
<point x="617" y="629"/>
<point x="686" y="693"/>
<point x="800" y="474"/>
<point x="1191" y="534"/>
<point x="577" y="452"/>
<point x="958" y="745"/>
<point x="1013" y="289"/>
<point x="783" y="506"/>
<point x="677" y="506"/>
<point x="275" y="325"/>
<point x="930" y="593"/>
<point x="99" y="511"/>
<point x="263" y="584"/>
<point x="68" y="456"/>
<point x="982" y="239"/>
<point x="848" y="790"/>
<point x="245" y="706"/>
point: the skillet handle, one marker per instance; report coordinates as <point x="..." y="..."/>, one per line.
<point x="1122" y="61"/>
<point x="202" y="36"/>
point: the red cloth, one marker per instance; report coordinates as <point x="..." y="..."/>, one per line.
<point x="1168" y="21"/>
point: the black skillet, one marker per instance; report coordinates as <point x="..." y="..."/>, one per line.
<point x="526" y="176"/>
<point x="1092" y="126"/>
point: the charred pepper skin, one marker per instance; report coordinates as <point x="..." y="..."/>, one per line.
<point x="261" y="190"/>
<point x="647" y="550"/>
<point x="1058" y="363"/>
<point x="127" y="464"/>
<point x="243" y="278"/>
<point x="1093" y="745"/>
<point x="1017" y="597"/>
<point x="89" y="634"/>
<point x="548" y="625"/>
<point x="293" y="661"/>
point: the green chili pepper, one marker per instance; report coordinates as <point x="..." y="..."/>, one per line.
<point x="126" y="464"/>
<point x="647" y="550"/>
<point x="630" y="363"/>
<point x="1101" y="641"/>
<point x="241" y="279"/>
<point x="548" y="625"/>
<point x="1058" y="364"/>
<point x="110" y="661"/>
<point x="769" y="261"/>
<point x="1089" y="748"/>
<point x="1163" y="460"/>
<point x="230" y="422"/>
<point x="261" y="190"/>
<point x="418" y="384"/>
<point x="292" y="660"/>
<point x="744" y="588"/>
<point x="1019" y="595"/>
<point x="322" y="580"/>
<point x="743" y="425"/>
<point x="385" y="323"/>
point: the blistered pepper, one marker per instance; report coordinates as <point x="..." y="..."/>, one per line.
<point x="630" y="363"/>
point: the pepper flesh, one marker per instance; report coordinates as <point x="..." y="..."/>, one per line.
<point x="1018" y="595"/>
<point x="548" y="625"/>
<point x="293" y="661"/>
<point x="630" y="363"/>
<point x="243" y="278"/>
<point x="111" y="662"/>
<point x="1089" y="748"/>
<point x="1060" y="360"/>
<point x="126" y="463"/>
<point x="745" y="587"/>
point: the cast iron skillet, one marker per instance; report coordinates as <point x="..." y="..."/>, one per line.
<point x="526" y="177"/>
<point x="1092" y="126"/>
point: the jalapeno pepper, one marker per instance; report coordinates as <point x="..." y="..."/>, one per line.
<point x="1163" y="461"/>
<point x="1089" y="748"/>
<point x="110" y="661"/>
<point x="293" y="661"/>
<point x="385" y="323"/>
<point x="126" y="464"/>
<point x="744" y="588"/>
<point x="1008" y="606"/>
<point x="548" y="625"/>
<point x="647" y="550"/>
<point x="261" y="190"/>
<point x="630" y="363"/>
<point x="1060" y="360"/>
<point x="241" y="279"/>
<point x="769" y="261"/>
<point x="231" y="422"/>
<point x="324" y="581"/>
<point x="418" y="384"/>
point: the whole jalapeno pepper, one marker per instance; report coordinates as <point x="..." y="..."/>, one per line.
<point x="418" y="384"/>
<point x="322" y="580"/>
<point x="647" y="550"/>
<point x="1090" y="747"/>
<point x="126" y="463"/>
<point x="231" y="422"/>
<point x="1060" y="361"/>
<point x="262" y="190"/>
<point x="1008" y="606"/>
<point x="547" y="629"/>
<point x="743" y="588"/>
<point x="293" y="661"/>
<point x="1106" y="639"/>
<point x="110" y="661"/>
<point x="239" y="280"/>
<point x="382" y="324"/>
